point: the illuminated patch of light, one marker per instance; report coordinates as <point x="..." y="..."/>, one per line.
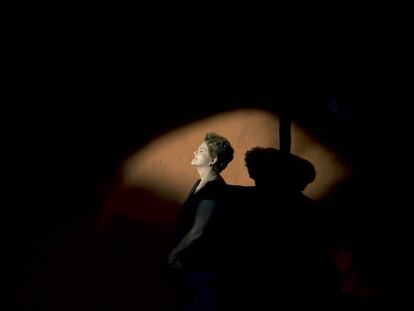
<point x="163" y="166"/>
<point x="331" y="170"/>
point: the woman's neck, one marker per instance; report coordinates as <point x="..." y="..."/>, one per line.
<point x="206" y="175"/>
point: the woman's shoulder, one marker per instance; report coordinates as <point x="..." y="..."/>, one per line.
<point x="212" y="190"/>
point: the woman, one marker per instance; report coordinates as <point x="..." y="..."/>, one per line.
<point x="197" y="248"/>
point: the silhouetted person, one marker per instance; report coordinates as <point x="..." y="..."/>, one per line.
<point x="197" y="252"/>
<point x="287" y="261"/>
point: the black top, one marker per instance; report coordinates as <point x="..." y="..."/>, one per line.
<point x="204" y="253"/>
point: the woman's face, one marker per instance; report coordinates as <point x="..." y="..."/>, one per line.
<point x="202" y="156"/>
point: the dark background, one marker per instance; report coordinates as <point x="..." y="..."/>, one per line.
<point x="78" y="112"/>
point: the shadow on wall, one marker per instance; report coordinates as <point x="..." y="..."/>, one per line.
<point x="163" y="166"/>
<point x="120" y="267"/>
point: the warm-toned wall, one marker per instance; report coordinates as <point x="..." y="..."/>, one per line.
<point x="163" y="166"/>
<point x="140" y="211"/>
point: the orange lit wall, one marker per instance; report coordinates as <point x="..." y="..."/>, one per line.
<point x="142" y="207"/>
<point x="163" y="166"/>
<point x="160" y="174"/>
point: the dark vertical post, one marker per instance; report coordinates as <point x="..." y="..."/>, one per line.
<point x="284" y="130"/>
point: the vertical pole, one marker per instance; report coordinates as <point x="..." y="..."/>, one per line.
<point x="284" y="130"/>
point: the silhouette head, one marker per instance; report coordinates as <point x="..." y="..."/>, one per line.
<point x="271" y="167"/>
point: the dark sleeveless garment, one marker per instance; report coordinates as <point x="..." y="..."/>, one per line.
<point x="204" y="253"/>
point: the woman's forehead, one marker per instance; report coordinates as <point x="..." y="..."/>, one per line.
<point x="203" y="145"/>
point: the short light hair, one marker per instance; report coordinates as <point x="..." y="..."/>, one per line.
<point x="220" y="147"/>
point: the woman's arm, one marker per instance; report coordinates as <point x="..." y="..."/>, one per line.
<point x="204" y="212"/>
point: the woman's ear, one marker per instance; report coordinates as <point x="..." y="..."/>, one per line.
<point x="213" y="161"/>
